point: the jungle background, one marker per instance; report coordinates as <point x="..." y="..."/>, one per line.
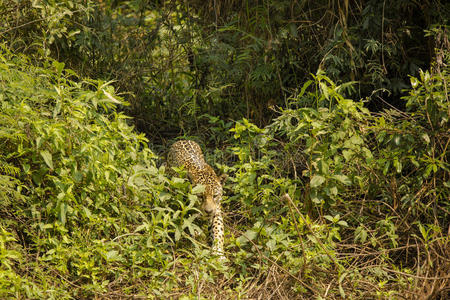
<point x="330" y="119"/>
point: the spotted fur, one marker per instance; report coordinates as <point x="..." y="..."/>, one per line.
<point x="189" y="154"/>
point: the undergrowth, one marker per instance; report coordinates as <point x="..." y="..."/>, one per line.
<point x="329" y="201"/>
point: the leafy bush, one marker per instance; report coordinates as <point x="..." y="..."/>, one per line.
<point x="333" y="158"/>
<point x="177" y="61"/>
<point x="84" y="207"/>
<point x="44" y="27"/>
<point x="87" y="213"/>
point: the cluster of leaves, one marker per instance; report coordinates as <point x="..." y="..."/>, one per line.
<point x="139" y="44"/>
<point x="43" y="27"/>
<point x="267" y="49"/>
<point x="376" y="186"/>
<point x="83" y="206"/>
<point x="85" y="209"/>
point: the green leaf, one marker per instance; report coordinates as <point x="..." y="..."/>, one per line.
<point x="87" y="212"/>
<point x="324" y="89"/>
<point x="77" y="176"/>
<point x="386" y="167"/>
<point x="178" y="181"/>
<point x="316" y="199"/>
<point x="305" y="86"/>
<point x="164" y="196"/>
<point x="59" y="66"/>
<point x="347" y="154"/>
<point x="47" y="158"/>
<point x="271" y="244"/>
<point x="343" y="223"/>
<point x="360" y="234"/>
<point x="248" y="235"/>
<point x="397" y="165"/>
<point x="112" y="255"/>
<point x="329" y="218"/>
<point x="341" y="289"/>
<point x="333" y="191"/>
<point x="356" y="140"/>
<point x="62" y="213"/>
<point x="142" y="227"/>
<point x="317" y="181"/>
<point x="177" y="234"/>
<point x="342" y="179"/>
<point x="198" y="189"/>
<point x="414" y="82"/>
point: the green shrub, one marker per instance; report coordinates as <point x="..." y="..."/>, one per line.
<point x="328" y="201"/>
<point x="342" y="167"/>
<point x="81" y="191"/>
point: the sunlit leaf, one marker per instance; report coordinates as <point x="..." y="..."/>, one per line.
<point x="47" y="158"/>
<point x="317" y="181"/>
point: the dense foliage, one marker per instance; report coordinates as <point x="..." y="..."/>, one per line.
<point x="338" y="183"/>
<point x="176" y="60"/>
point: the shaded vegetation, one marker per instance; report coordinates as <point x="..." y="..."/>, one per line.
<point x="329" y="118"/>
<point x="230" y="59"/>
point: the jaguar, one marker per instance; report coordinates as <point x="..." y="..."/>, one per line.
<point x="188" y="154"/>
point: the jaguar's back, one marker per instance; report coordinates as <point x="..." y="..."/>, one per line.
<point x="189" y="154"/>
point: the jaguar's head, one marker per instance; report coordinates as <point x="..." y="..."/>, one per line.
<point x="212" y="198"/>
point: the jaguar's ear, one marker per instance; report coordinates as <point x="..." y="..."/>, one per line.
<point x="223" y="178"/>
